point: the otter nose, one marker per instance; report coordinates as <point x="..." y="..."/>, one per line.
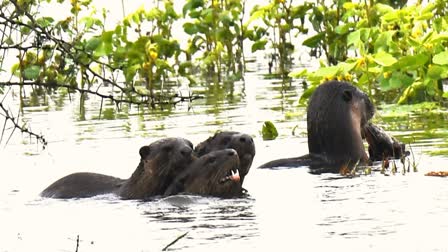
<point x="186" y="151"/>
<point x="231" y="152"/>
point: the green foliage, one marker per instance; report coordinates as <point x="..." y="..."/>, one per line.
<point x="279" y="18"/>
<point x="399" y="54"/>
<point x="269" y="131"/>
<point x="216" y="35"/>
<point x="396" y="51"/>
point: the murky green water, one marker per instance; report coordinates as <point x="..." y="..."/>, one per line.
<point x="285" y="210"/>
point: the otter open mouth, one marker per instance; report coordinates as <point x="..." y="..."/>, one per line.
<point x="231" y="176"/>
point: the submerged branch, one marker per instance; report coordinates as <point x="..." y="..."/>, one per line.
<point x="173" y="242"/>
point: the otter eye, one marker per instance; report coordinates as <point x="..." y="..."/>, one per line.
<point x="347" y="95"/>
<point x="211" y="160"/>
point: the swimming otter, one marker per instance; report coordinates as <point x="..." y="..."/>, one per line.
<point x="213" y="174"/>
<point x="160" y="162"/>
<point x="243" y="144"/>
<point x="336" y="115"/>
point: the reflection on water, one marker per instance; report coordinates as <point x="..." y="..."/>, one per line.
<point x="286" y="209"/>
<point x="208" y="219"/>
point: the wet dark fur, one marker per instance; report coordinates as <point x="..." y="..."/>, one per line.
<point x="159" y="164"/>
<point x="82" y="185"/>
<point x="242" y="143"/>
<point x="204" y="175"/>
<point x="381" y="145"/>
<point x="336" y="114"/>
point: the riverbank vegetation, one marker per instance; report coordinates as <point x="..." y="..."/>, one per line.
<point x="393" y="50"/>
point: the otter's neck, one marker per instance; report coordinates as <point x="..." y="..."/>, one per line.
<point x="140" y="185"/>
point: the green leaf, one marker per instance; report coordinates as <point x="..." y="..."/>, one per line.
<point x="342" y="29"/>
<point x="9" y="41"/>
<point x="314" y="40"/>
<point x="103" y="49"/>
<point x="437" y="38"/>
<point x="257" y="14"/>
<point x="107" y="36"/>
<point x="425" y="16"/>
<point x="330" y="71"/>
<point x="435" y="72"/>
<point x="90" y="21"/>
<point x="384" y="59"/>
<point x="191" y="5"/>
<point x="15" y="69"/>
<point x="31" y="72"/>
<point x="154" y="14"/>
<point x="25" y="30"/>
<point x="412" y="61"/>
<point x="441" y="58"/>
<point x="268" y="131"/>
<point x="383" y="41"/>
<point x="354" y="38"/>
<point x="92" y="44"/>
<point x="347" y="67"/>
<point x="190" y="28"/>
<point x="259" y="45"/>
<point x="44" y="21"/>
<point x="130" y="72"/>
<point x="383" y="8"/>
<point x="399" y="80"/>
<point x="298" y="74"/>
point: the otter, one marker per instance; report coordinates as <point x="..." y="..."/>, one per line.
<point x="336" y="116"/>
<point x="381" y="145"/>
<point x="160" y="162"/>
<point x="243" y="144"/>
<point x="213" y="174"/>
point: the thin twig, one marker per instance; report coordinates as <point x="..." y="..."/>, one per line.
<point x="16" y="125"/>
<point x="77" y="243"/>
<point x="173" y="242"/>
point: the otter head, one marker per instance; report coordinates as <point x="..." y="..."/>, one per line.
<point x="336" y="115"/>
<point x="243" y="144"/>
<point x="381" y="145"/>
<point x="213" y="174"/>
<point x="160" y="162"/>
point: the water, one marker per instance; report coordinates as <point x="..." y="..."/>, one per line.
<point x="286" y="209"/>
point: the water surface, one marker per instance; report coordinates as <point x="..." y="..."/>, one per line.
<point x="287" y="209"/>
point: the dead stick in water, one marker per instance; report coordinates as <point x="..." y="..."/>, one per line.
<point x="77" y="243"/>
<point x="172" y="243"/>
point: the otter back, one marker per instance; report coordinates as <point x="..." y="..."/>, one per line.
<point x="336" y="114"/>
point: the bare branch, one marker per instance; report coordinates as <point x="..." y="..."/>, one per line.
<point x="16" y="125"/>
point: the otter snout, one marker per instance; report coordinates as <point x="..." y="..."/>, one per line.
<point x="231" y="152"/>
<point x="186" y="151"/>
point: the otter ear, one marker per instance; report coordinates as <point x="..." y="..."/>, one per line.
<point x="144" y="151"/>
<point x="347" y="95"/>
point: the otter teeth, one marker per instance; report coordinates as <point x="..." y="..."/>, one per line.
<point x="235" y="176"/>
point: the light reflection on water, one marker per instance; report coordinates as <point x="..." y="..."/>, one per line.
<point x="286" y="209"/>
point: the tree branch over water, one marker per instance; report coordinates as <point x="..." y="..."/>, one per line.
<point x="78" y="54"/>
<point x="7" y="114"/>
